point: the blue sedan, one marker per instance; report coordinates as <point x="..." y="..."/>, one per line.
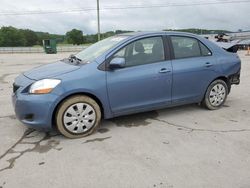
<point x="125" y="74"/>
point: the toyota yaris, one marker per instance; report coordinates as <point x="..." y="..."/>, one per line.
<point x="121" y="75"/>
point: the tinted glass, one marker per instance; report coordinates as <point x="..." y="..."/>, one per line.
<point x="185" y="47"/>
<point x="98" y="48"/>
<point x="204" y="50"/>
<point x="144" y="51"/>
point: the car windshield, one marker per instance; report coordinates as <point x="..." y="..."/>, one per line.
<point x="98" y="48"/>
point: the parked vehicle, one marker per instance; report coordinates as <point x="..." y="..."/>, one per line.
<point x="125" y="74"/>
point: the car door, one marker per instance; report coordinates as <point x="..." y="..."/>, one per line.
<point x="145" y="81"/>
<point x="193" y="69"/>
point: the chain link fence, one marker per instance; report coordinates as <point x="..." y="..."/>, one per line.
<point x="40" y="49"/>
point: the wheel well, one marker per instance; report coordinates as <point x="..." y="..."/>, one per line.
<point x="226" y="80"/>
<point x="81" y="93"/>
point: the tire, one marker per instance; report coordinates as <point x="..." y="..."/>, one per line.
<point x="78" y="116"/>
<point x="216" y="95"/>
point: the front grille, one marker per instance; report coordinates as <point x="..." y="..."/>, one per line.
<point x="15" y="88"/>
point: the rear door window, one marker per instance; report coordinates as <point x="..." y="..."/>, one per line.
<point x="185" y="47"/>
<point x="204" y="50"/>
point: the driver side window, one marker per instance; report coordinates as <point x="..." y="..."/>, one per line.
<point x="143" y="51"/>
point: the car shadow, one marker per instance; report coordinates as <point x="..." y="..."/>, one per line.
<point x="141" y="119"/>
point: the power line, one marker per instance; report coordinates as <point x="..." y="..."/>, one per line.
<point x="181" y="4"/>
<point x="124" y="8"/>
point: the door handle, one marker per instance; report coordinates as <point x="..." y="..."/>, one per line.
<point x="164" y="70"/>
<point x="208" y="64"/>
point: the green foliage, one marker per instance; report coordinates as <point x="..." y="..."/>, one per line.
<point x="93" y="38"/>
<point x="74" y="37"/>
<point x="122" y="31"/>
<point x="30" y="37"/>
<point x="45" y="35"/>
<point x="90" y="38"/>
<point x="10" y="36"/>
<point x="199" y="31"/>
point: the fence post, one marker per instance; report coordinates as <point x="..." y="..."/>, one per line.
<point x="248" y="50"/>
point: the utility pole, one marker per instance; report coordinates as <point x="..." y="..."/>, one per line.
<point x="98" y="21"/>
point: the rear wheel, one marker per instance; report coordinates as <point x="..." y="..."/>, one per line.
<point x="78" y="116"/>
<point x="216" y="95"/>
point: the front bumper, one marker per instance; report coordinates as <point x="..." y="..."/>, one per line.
<point x="33" y="110"/>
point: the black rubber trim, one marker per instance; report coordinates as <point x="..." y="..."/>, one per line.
<point x="235" y="78"/>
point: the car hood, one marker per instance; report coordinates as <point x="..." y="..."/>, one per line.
<point x="50" y="70"/>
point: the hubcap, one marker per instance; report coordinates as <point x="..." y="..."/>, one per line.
<point x="79" y="118"/>
<point x="217" y="95"/>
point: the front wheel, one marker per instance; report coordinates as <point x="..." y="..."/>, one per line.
<point x="78" y="116"/>
<point x="216" y="95"/>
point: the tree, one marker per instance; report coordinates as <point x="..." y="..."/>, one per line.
<point x="90" y="38"/>
<point x="10" y="36"/>
<point x="74" y="37"/>
<point x="30" y="37"/>
<point x="122" y="31"/>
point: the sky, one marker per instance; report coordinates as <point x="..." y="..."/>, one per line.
<point x="213" y="16"/>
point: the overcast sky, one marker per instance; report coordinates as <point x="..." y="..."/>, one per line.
<point x="227" y="16"/>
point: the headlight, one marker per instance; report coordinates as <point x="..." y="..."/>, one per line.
<point x="43" y="86"/>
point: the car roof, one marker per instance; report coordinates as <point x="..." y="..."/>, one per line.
<point x="148" y="33"/>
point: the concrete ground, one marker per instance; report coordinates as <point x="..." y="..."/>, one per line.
<point x="180" y="147"/>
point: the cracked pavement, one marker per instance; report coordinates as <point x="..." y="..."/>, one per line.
<point x="185" y="146"/>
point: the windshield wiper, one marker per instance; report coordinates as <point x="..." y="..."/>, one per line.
<point x="74" y="59"/>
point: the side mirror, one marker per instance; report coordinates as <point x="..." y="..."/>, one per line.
<point x="117" y="62"/>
